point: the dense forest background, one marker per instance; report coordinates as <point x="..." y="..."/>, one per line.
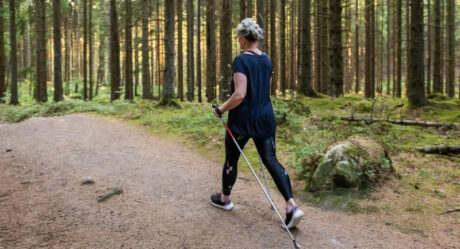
<point x="184" y="49"/>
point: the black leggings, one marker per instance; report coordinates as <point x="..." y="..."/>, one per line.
<point x="267" y="151"/>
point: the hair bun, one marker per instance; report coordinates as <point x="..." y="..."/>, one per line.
<point x="250" y="30"/>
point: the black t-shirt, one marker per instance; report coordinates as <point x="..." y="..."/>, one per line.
<point x="254" y="117"/>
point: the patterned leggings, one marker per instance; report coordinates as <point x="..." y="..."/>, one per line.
<point x="267" y="150"/>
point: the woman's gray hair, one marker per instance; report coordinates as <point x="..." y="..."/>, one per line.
<point x="250" y="30"/>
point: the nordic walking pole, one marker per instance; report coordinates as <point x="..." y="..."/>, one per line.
<point x="265" y="177"/>
<point x="296" y="244"/>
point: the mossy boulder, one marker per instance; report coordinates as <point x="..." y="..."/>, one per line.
<point x="354" y="163"/>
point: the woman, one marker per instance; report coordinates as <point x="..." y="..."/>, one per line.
<point x="251" y="116"/>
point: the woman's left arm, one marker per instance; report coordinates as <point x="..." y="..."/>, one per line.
<point x="241" y="86"/>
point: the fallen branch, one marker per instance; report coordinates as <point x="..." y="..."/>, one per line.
<point x="441" y="149"/>
<point x="115" y="191"/>
<point x="452" y="211"/>
<point x="402" y="122"/>
<point x="422" y="123"/>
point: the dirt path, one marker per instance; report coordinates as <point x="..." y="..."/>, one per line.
<point x="165" y="203"/>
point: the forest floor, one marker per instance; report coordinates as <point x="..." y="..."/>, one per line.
<point x="165" y="200"/>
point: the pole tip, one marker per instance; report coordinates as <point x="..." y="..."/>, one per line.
<point x="296" y="244"/>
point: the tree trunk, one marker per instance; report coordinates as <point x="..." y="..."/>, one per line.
<point x="85" y="51"/>
<point x="408" y="43"/>
<point x="336" y="59"/>
<point x="159" y="57"/>
<point x="67" y="52"/>
<point x="428" y="54"/>
<point x="211" y="51"/>
<point x="398" y="16"/>
<point x="416" y="81"/>
<point x="2" y="58"/>
<point x="305" y="50"/>
<point x="14" y="61"/>
<point x="136" y="61"/>
<point x="180" y="60"/>
<point x="90" y="48"/>
<point x="114" y="58"/>
<point x="273" y="46"/>
<point x="40" y="29"/>
<point x="146" y="91"/>
<point x="190" y="59"/>
<point x="129" y="52"/>
<point x="348" y="68"/>
<point x="262" y="21"/>
<point x="324" y="47"/>
<point x="389" y="47"/>
<point x="318" y="46"/>
<point x="243" y="9"/>
<point x="450" y="84"/>
<point x="57" y="50"/>
<point x="437" y="82"/>
<point x="225" y="50"/>
<point x="282" y="23"/>
<point x="168" y="88"/>
<point x="198" y="51"/>
<point x="357" y="68"/>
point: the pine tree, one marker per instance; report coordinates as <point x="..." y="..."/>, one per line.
<point x="2" y="58"/>
<point x="336" y="59"/>
<point x="416" y="81"/>
<point x="180" y="56"/>
<point x="128" y="52"/>
<point x="40" y="29"/>
<point x="114" y="56"/>
<point x="225" y="50"/>
<point x="168" y="88"/>
<point x="190" y="52"/>
<point x="305" y="51"/>
<point x="146" y="90"/>
<point x="14" y="62"/>
<point x="57" y="50"/>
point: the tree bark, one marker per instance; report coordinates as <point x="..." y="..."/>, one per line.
<point x="437" y="82"/>
<point x="357" y="68"/>
<point x="225" y="50"/>
<point x="211" y="51"/>
<point x="146" y="91"/>
<point x="336" y="58"/>
<point x="85" y="51"/>
<point x="416" y="79"/>
<point x="283" y="47"/>
<point x="428" y="54"/>
<point x="180" y="56"/>
<point x="67" y="52"/>
<point x="305" y="50"/>
<point x="2" y="58"/>
<point x="389" y="47"/>
<point x="398" y="16"/>
<point x="129" y="52"/>
<point x="91" y="49"/>
<point x="190" y="52"/>
<point x="450" y="84"/>
<point x="40" y="29"/>
<point x="14" y="61"/>
<point x="273" y="46"/>
<point x="136" y="61"/>
<point x="168" y="88"/>
<point x="114" y="58"/>
<point x="57" y="50"/>
<point x="262" y="21"/>
<point x="198" y="52"/>
<point x="324" y="31"/>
